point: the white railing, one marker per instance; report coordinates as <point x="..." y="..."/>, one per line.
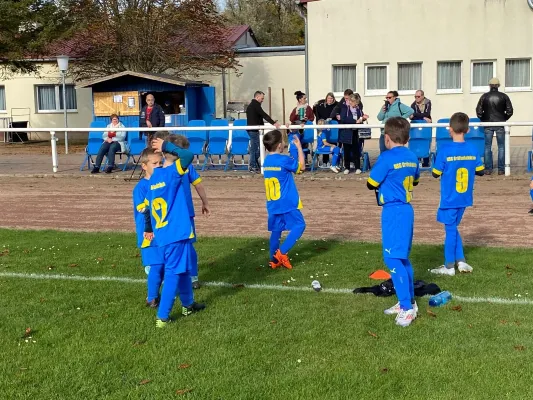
<point x="262" y="128"/>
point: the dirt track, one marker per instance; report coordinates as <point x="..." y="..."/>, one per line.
<point x="332" y="208"/>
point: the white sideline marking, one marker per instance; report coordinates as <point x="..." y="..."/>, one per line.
<point x="488" y="300"/>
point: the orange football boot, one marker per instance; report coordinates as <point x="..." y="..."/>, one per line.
<point x="283" y="259"/>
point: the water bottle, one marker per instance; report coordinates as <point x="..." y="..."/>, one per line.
<point x="316" y="286"/>
<point x="440" y="299"/>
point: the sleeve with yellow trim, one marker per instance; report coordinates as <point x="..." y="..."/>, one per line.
<point x="185" y="156"/>
<point x="439" y="165"/>
<point x="378" y="173"/>
<point x="480" y="167"/>
<point x="416" y="180"/>
<point x="194" y="177"/>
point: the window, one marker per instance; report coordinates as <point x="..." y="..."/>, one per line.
<point x="449" y="77"/>
<point x="2" y="98"/>
<point x="518" y="74"/>
<point x="409" y="77"/>
<point x="344" y="77"/>
<point x="482" y="73"/>
<point x="50" y="98"/>
<point x="376" y="79"/>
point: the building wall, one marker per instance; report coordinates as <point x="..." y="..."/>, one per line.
<point x="20" y="93"/>
<point x="399" y="31"/>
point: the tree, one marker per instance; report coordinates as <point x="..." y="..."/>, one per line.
<point x="26" y="28"/>
<point x="178" y="37"/>
<point x="274" y="22"/>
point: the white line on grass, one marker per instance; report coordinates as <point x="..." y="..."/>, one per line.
<point x="489" y="300"/>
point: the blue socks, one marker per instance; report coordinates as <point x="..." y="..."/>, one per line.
<point x="292" y="238"/>
<point x="155" y="277"/>
<point x="174" y="283"/>
<point x="453" y="246"/>
<point x="403" y="280"/>
<point x="275" y="238"/>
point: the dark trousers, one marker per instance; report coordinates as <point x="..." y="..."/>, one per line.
<point x="255" y="152"/>
<point x="109" y="149"/>
<point x="352" y="152"/>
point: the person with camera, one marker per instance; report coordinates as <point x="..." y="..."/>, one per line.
<point x="393" y="107"/>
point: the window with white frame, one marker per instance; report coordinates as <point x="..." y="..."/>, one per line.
<point x="2" y="98"/>
<point x="50" y="98"/>
<point x="344" y="77"/>
<point x="449" y="74"/>
<point x="376" y="79"/>
<point x="518" y="74"/>
<point x="409" y="77"/>
<point x="482" y="73"/>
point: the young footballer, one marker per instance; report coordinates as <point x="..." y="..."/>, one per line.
<point x="172" y="229"/>
<point x="283" y="202"/>
<point x="456" y="165"/>
<point x="393" y="177"/>
<point x="323" y="144"/>
<point x="151" y="255"/>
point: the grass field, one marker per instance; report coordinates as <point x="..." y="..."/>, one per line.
<point x="96" y="340"/>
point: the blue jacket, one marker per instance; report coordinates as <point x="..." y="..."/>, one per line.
<point x="346" y="135"/>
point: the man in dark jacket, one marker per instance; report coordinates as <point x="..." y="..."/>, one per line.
<point x="337" y="109"/>
<point x="422" y="112"/>
<point x="494" y="106"/>
<point x="152" y="116"/>
<point x="255" y="115"/>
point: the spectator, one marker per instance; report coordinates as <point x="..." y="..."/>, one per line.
<point x="393" y="108"/>
<point x="351" y="113"/>
<point x="302" y="112"/>
<point x="494" y="106"/>
<point x="152" y="116"/>
<point x="168" y="108"/>
<point x="336" y="111"/>
<point x="114" y="142"/>
<point x="322" y="110"/>
<point x="422" y="112"/>
<point x="255" y="116"/>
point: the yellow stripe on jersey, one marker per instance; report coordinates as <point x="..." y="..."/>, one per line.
<point x="381" y="199"/>
<point x="480" y="168"/>
<point x="141" y="206"/>
<point x="145" y="243"/>
<point x="299" y="168"/>
<point x="373" y="182"/>
<point x="436" y="171"/>
<point x="191" y="236"/>
<point x="179" y="168"/>
<point x="300" y="205"/>
<point x="197" y="181"/>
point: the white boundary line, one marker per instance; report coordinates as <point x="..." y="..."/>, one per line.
<point x="488" y="300"/>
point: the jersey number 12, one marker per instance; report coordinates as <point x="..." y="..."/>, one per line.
<point x="159" y="206"/>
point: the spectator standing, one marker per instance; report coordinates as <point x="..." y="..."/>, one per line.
<point x="393" y="108"/>
<point x="323" y="110"/>
<point x="336" y="111"/>
<point x="422" y="112"/>
<point x="494" y="106"/>
<point x="351" y="113"/>
<point x="152" y="116"/>
<point x="255" y="115"/>
<point x="114" y="142"/>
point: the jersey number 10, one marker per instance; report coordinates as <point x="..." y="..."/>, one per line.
<point x="273" y="191"/>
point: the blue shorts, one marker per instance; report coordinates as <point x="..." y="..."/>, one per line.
<point x="397" y="222"/>
<point x="152" y="255"/>
<point x="285" y="222"/>
<point x="178" y="257"/>
<point x="193" y="240"/>
<point x="450" y="216"/>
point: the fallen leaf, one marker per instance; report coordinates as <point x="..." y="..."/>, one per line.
<point x="137" y="255"/>
<point x="113" y="265"/>
<point x="384" y="370"/>
<point x="42" y="300"/>
<point x="139" y="342"/>
<point x="238" y="285"/>
<point x="25" y="251"/>
<point x="520" y="347"/>
<point x="372" y="334"/>
<point x="73" y="265"/>
<point x="145" y="381"/>
<point x="27" y="333"/>
<point x="457" y="308"/>
<point x="184" y="366"/>
<point x="431" y="313"/>
<point x="508" y="267"/>
<point x="99" y="259"/>
<point x="509" y="274"/>
<point x="503" y="321"/>
<point x="4" y="252"/>
<point x="183" y="391"/>
<point x="470" y="325"/>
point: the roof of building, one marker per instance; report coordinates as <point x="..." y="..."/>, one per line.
<point x="234" y="33"/>
<point x="154" y="77"/>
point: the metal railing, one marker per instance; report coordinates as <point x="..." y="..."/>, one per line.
<point x="265" y="128"/>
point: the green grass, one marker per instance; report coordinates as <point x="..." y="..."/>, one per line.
<point x="96" y="340"/>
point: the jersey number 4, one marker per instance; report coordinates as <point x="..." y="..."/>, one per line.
<point x="461" y="184"/>
<point x="159" y="212"/>
<point x="273" y="190"/>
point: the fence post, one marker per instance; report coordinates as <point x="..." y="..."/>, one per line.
<point x="507" y="150"/>
<point x="53" y="142"/>
<point x="261" y="149"/>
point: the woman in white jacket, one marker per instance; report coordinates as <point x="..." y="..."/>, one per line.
<point x="114" y="142"/>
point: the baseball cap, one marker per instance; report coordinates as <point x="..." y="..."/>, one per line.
<point x="494" y="81"/>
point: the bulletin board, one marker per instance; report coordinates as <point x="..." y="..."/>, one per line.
<point x="120" y="103"/>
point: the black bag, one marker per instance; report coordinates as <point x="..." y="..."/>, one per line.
<point x="386" y="288"/>
<point x="365" y="133"/>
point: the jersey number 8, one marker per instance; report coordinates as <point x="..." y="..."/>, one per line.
<point x="461" y="178"/>
<point x="159" y="204"/>
<point x="273" y="191"/>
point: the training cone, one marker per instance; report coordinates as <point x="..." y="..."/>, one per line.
<point x="380" y="275"/>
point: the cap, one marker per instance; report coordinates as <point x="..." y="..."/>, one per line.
<point x="494" y="81"/>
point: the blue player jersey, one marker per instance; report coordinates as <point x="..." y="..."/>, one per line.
<point x="191" y="178"/>
<point x="322" y="141"/>
<point x="457" y="163"/>
<point x="167" y="198"/>
<point x="139" y="204"/>
<point x="281" y="193"/>
<point x="394" y="174"/>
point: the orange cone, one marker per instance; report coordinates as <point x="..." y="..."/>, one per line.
<point x="380" y="275"/>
